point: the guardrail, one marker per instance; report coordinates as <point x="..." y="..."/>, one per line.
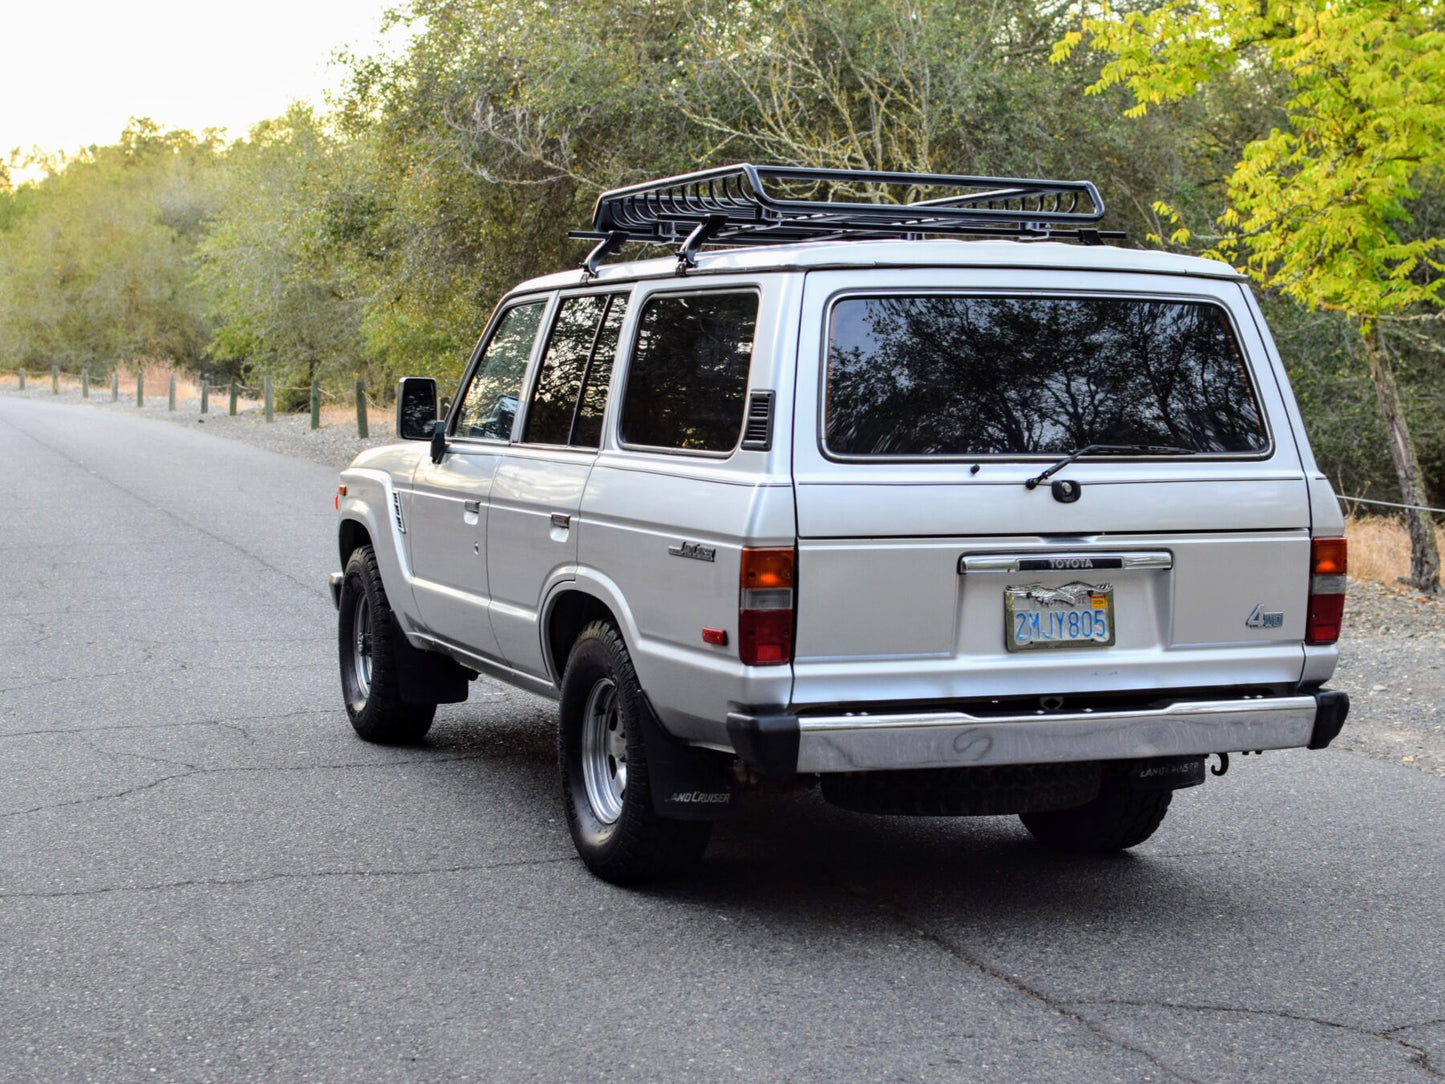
<point x="265" y="393"/>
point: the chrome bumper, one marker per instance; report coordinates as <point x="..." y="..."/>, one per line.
<point x="955" y="739"/>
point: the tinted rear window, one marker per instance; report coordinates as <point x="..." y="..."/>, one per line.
<point x="689" y="373"/>
<point x="953" y="375"/>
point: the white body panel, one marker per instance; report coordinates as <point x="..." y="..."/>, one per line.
<point x="448" y="510"/>
<point x="527" y="549"/>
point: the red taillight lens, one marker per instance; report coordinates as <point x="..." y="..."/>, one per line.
<point x="1328" y="563"/>
<point x="765" y="637"/>
<point x="765" y="606"/>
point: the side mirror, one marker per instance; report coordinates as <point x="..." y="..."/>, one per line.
<point x="416" y="407"/>
<point x="438" y="441"/>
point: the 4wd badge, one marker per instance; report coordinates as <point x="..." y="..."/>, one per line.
<point x="1260" y="618"/>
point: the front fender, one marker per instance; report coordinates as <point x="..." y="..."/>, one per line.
<point x="372" y="502"/>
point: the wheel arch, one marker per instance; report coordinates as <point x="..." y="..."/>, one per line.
<point x="350" y="536"/>
<point x="569" y="610"/>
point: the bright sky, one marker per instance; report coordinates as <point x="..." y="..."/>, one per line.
<point x="73" y="73"/>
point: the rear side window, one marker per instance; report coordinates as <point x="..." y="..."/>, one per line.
<point x="571" y="392"/>
<point x="687" y="383"/>
<point x="952" y="375"/>
<point x="490" y="401"/>
<point x="559" y="377"/>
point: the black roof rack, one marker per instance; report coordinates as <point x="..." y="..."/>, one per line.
<point x="747" y="204"/>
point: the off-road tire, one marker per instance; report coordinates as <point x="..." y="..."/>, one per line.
<point x="1117" y="819"/>
<point x="618" y="834"/>
<point x="373" y="692"/>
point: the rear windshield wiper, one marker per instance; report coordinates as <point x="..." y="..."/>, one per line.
<point x="1108" y="449"/>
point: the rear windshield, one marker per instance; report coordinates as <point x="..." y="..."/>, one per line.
<point x="944" y="374"/>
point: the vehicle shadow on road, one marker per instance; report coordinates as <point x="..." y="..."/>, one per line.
<point x="786" y="853"/>
<point x="793" y="853"/>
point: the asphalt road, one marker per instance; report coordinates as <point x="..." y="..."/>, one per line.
<point x="205" y="876"/>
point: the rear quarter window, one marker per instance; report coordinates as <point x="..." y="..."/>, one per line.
<point x="686" y="386"/>
<point x="952" y="375"/>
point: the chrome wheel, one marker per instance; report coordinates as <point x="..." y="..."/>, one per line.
<point x="361" y="646"/>
<point x="604" y="752"/>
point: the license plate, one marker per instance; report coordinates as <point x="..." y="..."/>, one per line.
<point x="1075" y="615"/>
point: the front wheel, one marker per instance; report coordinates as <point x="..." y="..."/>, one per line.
<point x="606" y="789"/>
<point x="370" y="682"/>
<point x="1117" y="819"/>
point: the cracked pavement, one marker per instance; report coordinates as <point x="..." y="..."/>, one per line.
<point x="205" y="876"/>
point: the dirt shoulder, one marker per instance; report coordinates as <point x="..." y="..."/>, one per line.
<point x="334" y="444"/>
<point x="1392" y="653"/>
<point x="1392" y="663"/>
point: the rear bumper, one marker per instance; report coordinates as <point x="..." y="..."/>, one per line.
<point x="781" y="744"/>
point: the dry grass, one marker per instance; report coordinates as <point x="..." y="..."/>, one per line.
<point x="157" y="381"/>
<point x="1380" y="548"/>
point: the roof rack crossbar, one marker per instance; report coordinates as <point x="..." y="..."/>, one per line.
<point x="742" y="209"/>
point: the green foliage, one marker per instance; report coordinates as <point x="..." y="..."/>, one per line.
<point x="280" y="262"/>
<point x="1320" y="207"/>
<point x="94" y="257"/>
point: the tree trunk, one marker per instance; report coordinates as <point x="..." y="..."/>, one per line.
<point x="1424" y="555"/>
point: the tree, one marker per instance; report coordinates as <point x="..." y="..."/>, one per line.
<point x="94" y="257"/>
<point x="1322" y="208"/>
<point x="279" y="261"/>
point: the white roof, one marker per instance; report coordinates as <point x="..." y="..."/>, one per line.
<point x="944" y="252"/>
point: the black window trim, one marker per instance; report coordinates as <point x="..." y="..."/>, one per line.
<point x="534" y="371"/>
<point x="754" y="288"/>
<point x="548" y="300"/>
<point x="856" y="293"/>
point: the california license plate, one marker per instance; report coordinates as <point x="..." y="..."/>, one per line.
<point x="1074" y="615"/>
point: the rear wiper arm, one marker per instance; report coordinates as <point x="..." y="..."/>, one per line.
<point x="1110" y="449"/>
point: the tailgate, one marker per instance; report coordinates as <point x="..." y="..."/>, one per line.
<point x="927" y="576"/>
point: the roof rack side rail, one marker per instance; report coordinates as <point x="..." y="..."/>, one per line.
<point x="746" y="204"/>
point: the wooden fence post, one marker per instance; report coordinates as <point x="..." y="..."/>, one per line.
<point x="232" y="408"/>
<point x="269" y="394"/>
<point x="115" y="385"/>
<point x="55" y="380"/>
<point x="315" y="404"/>
<point x="22" y="379"/>
<point x="85" y="383"/>
<point x="140" y="388"/>
<point x="171" y="393"/>
<point x="205" y="393"/>
<point x="361" y="428"/>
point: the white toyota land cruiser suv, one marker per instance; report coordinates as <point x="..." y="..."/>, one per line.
<point x="941" y="503"/>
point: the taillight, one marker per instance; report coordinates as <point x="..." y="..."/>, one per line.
<point x="765" y="607"/>
<point x="1328" y="564"/>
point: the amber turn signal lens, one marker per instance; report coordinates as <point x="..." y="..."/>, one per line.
<point x="1328" y="557"/>
<point x="767" y="568"/>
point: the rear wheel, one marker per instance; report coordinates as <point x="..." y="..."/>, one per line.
<point x="369" y="674"/>
<point x="606" y="789"/>
<point x="1117" y="819"/>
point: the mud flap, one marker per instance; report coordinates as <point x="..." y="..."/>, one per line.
<point x="1164" y="773"/>
<point x="687" y="784"/>
<point x="424" y="677"/>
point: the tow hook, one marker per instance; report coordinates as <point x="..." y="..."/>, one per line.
<point x="1223" y="764"/>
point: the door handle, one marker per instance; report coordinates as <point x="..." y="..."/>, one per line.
<point x="473" y="507"/>
<point x="561" y="519"/>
